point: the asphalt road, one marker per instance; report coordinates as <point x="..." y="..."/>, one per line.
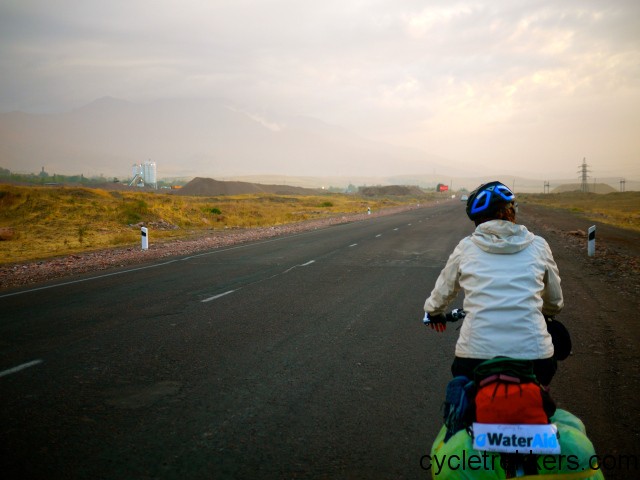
<point x="295" y="357"/>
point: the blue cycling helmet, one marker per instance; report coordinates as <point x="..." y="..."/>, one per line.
<point x="484" y="201"/>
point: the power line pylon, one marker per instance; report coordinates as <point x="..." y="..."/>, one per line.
<point x="584" y="170"/>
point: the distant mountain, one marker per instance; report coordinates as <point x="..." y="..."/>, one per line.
<point x="196" y="138"/>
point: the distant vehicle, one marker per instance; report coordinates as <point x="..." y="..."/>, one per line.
<point x="464" y="198"/>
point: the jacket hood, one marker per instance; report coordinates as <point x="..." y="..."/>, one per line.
<point x="501" y="236"/>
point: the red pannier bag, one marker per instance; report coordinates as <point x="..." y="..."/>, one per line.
<point x="508" y="400"/>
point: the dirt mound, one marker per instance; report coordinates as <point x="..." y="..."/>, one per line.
<point x="389" y="190"/>
<point x="577" y="187"/>
<point x="209" y="187"/>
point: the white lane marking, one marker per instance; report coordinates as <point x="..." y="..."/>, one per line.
<point x="20" y="367"/>
<point x="395" y="229"/>
<point x="353" y="245"/>
<point x="217" y="296"/>
<point x="409" y="224"/>
<point x="379" y="235"/>
<point x="296" y="266"/>
<point x="272" y="276"/>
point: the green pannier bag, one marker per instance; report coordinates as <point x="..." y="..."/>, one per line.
<point x="456" y="459"/>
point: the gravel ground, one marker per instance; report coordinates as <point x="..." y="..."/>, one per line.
<point x="30" y="273"/>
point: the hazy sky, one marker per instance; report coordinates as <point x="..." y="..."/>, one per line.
<point x="517" y="85"/>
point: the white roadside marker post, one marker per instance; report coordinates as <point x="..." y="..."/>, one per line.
<point x="591" y="242"/>
<point x="145" y="238"/>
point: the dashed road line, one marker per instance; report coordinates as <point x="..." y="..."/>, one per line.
<point x="295" y="266"/>
<point x="217" y="296"/>
<point x="209" y="299"/>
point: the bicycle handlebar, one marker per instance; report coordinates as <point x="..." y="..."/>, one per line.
<point x="452" y="316"/>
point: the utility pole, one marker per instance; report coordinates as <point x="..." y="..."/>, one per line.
<point x="583" y="171"/>
<point x="622" y="182"/>
<point x="546" y="186"/>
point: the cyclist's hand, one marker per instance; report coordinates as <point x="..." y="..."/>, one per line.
<point x="436" y="322"/>
<point x="438" y="326"/>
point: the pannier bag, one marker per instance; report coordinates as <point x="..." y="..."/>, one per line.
<point x="507" y="392"/>
<point x="458" y="405"/>
<point x="456" y="459"/>
<point x="560" y="337"/>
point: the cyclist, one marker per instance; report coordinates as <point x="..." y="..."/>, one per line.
<point x="510" y="283"/>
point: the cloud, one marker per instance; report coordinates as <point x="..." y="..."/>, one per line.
<point x="448" y="77"/>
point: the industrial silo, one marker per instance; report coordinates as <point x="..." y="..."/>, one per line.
<point x="136" y="169"/>
<point x="149" y="174"/>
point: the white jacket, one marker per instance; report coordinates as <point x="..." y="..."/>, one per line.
<point x="509" y="280"/>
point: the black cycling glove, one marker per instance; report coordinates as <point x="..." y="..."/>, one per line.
<point x="436" y="322"/>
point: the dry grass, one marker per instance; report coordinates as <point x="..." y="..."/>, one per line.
<point x="621" y="209"/>
<point x="43" y="222"/>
